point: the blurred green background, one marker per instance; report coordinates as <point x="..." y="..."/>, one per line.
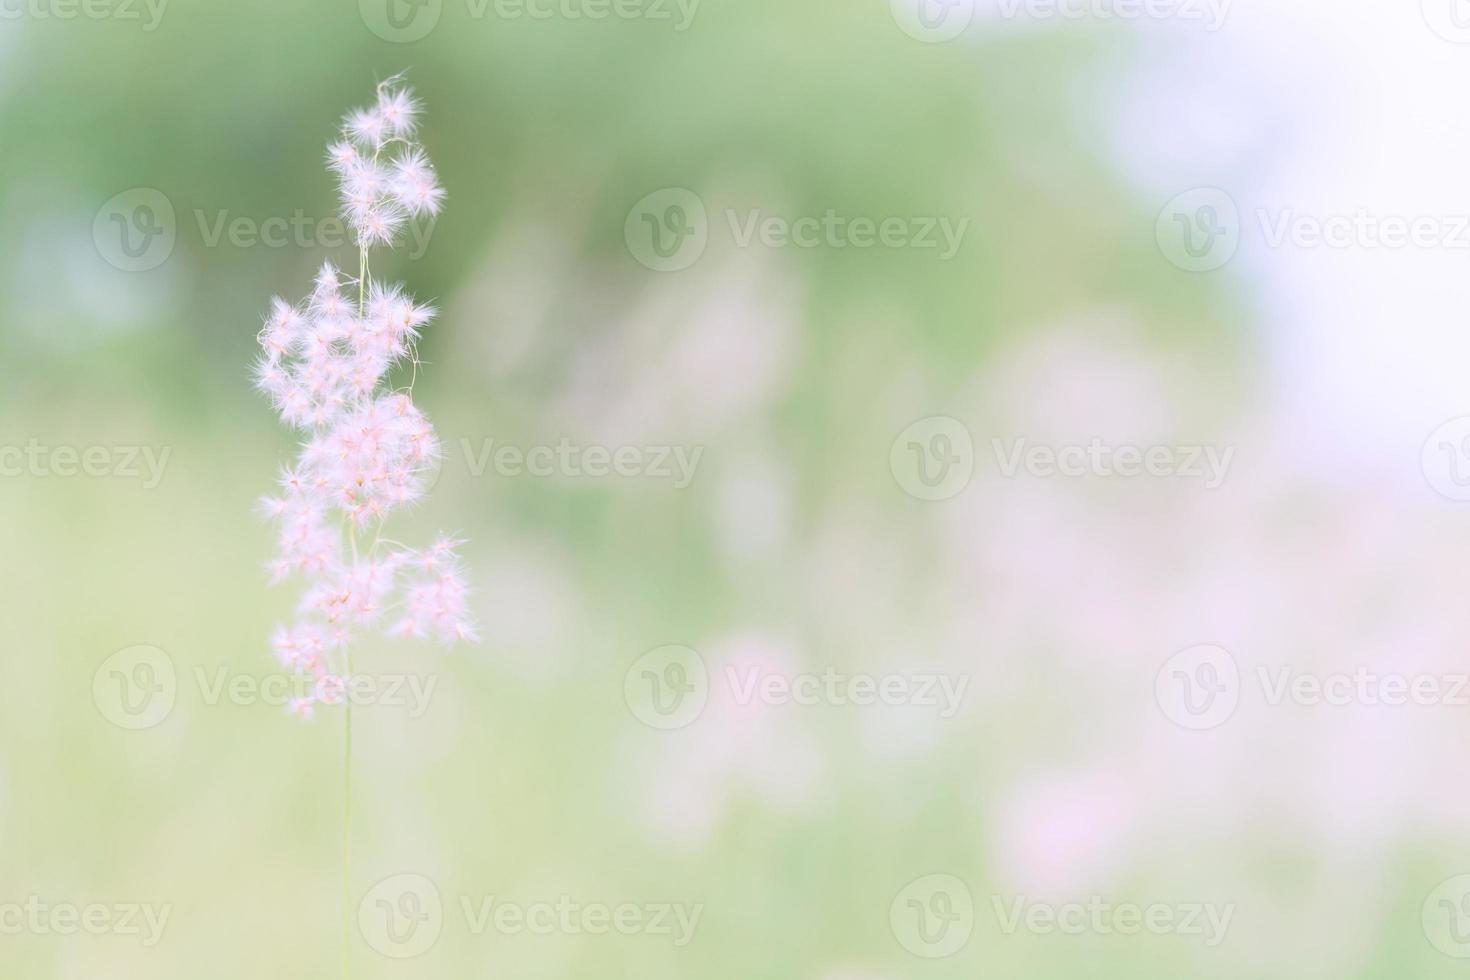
<point x="532" y="774"/>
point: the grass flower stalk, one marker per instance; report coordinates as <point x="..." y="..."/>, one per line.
<point x="366" y="449"/>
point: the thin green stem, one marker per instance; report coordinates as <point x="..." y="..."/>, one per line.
<point x="362" y="264"/>
<point x="347" y="829"/>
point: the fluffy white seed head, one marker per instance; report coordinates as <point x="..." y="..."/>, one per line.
<point x="367" y="450"/>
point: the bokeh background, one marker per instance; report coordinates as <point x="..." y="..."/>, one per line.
<point x="1081" y="150"/>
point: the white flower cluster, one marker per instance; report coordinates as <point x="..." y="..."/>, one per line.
<point x="368" y="448"/>
<point x="385" y="176"/>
